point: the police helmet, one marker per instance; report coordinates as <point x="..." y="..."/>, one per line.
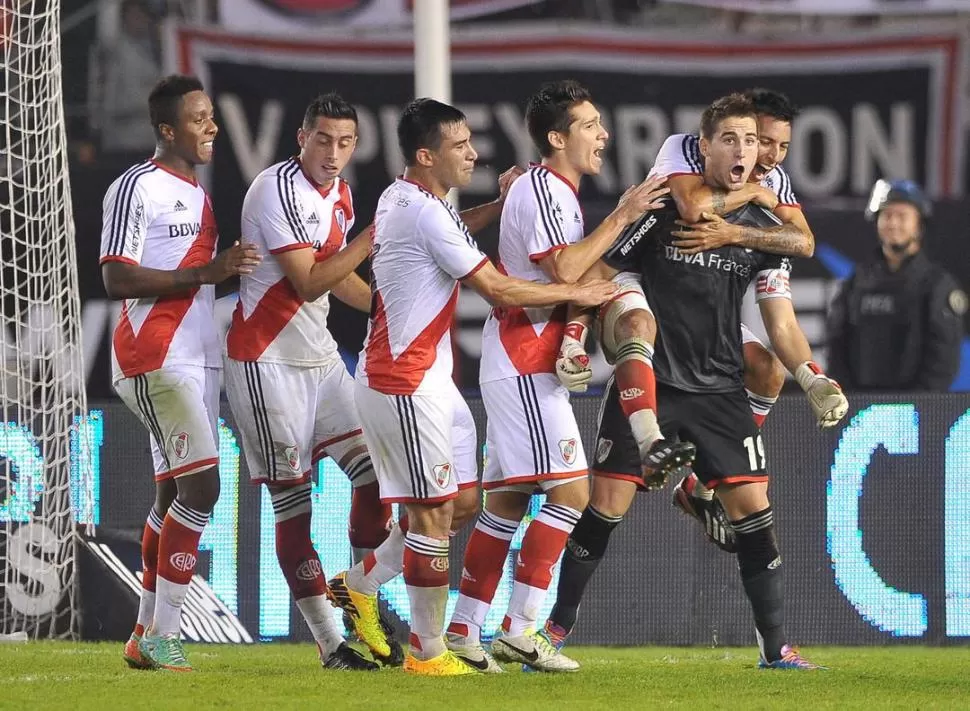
<point x="886" y="191"/>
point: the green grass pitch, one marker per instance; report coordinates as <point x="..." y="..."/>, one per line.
<point x="41" y="675"/>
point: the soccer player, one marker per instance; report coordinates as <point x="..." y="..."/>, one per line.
<point x="407" y="401"/>
<point x="532" y="437"/>
<point x="287" y="386"/>
<point x="158" y="255"/>
<point x="699" y="368"/>
<point x="702" y="206"/>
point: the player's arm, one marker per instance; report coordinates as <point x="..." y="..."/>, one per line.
<point x="500" y="290"/>
<point x="693" y="197"/>
<point x="568" y="264"/>
<point x="123" y="242"/>
<point x="714" y="231"/>
<point x="312" y="279"/>
<point x="481" y="216"/>
<point x="940" y="362"/>
<point x="788" y="340"/>
<point x="354" y="292"/>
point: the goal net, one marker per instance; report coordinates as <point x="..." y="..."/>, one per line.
<point x="44" y="451"/>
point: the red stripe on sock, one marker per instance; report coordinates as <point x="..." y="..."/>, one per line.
<point x="483" y="565"/>
<point x="636" y="385"/>
<point x="424" y="571"/>
<point x="149" y="557"/>
<point x="297" y="558"/>
<point x="540" y="550"/>
<point x="369" y="518"/>
<point x="414" y="642"/>
<point x="178" y="550"/>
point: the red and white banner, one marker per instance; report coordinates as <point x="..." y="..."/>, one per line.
<point x="833" y="7"/>
<point x="318" y="17"/>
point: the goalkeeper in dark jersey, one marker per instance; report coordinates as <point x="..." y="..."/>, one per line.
<point x="697" y="363"/>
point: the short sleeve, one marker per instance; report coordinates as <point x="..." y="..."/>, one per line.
<point x="448" y="241"/>
<point x="773" y="281"/>
<point x="679" y="155"/>
<point x="278" y="213"/>
<point x="125" y="220"/>
<point x="778" y="182"/>
<point x="626" y="251"/>
<point x="540" y="217"/>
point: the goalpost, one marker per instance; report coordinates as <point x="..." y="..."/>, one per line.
<point x="43" y="441"/>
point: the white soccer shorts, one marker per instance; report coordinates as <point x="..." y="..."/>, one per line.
<point x="179" y="405"/>
<point x="422" y="445"/>
<point x="290" y="417"/>
<point x="747" y="336"/>
<point x="532" y="435"/>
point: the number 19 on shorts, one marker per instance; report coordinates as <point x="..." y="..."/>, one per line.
<point x="756" y="452"/>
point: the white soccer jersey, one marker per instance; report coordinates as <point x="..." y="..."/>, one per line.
<point x="161" y="220"/>
<point x="285" y="210"/>
<point x="421" y="250"/>
<point x="541" y="215"/>
<point x="680" y="154"/>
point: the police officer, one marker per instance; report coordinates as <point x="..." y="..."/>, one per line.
<point x="897" y="323"/>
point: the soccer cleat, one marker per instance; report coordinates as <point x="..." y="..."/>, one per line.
<point x="445" y="664"/>
<point x="533" y="649"/>
<point x="790" y="659"/>
<point x="663" y="458"/>
<point x="164" y="652"/>
<point x="346" y="658"/>
<point x="473" y="654"/>
<point x="133" y="656"/>
<point x="365" y="617"/>
<point x="710" y="514"/>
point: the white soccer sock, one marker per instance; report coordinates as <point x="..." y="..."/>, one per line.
<point x="169" y="598"/>
<point x="146" y="608"/>
<point x="387" y="564"/>
<point x="318" y="613"/>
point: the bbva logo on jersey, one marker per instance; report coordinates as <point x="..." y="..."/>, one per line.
<point x="184" y="229"/>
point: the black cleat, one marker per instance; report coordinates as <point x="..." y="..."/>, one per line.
<point x="710" y="514"/>
<point x="664" y="458"/>
<point x="346" y="658"/>
<point x="396" y="657"/>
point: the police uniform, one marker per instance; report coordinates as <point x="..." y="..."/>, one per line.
<point x="897" y="330"/>
<point x="698" y="359"/>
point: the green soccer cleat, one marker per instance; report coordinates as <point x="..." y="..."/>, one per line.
<point x="164" y="652"/>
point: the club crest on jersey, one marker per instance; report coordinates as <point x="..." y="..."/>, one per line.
<point x="341" y="219"/>
<point x="292" y="456"/>
<point x="442" y="473"/>
<point x="180" y="445"/>
<point x="568" y="449"/>
<point x="603" y="448"/>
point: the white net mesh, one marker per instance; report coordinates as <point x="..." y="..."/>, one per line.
<point x="43" y="452"/>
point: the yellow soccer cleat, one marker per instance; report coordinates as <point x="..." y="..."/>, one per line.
<point x="445" y="664"/>
<point x="364" y="614"/>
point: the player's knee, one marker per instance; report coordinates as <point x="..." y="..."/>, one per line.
<point x="199" y="491"/>
<point x="612" y="497"/>
<point x="466" y="508"/>
<point x="370" y="519"/>
<point x="574" y="494"/>
<point x="165" y="493"/>
<point x="638" y="323"/>
<point x="763" y="372"/>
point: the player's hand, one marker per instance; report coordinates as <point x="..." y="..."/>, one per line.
<point x="824" y="394"/>
<point x="506" y="179"/>
<point x="765" y="197"/>
<point x="240" y="258"/>
<point x="711" y="232"/>
<point x="593" y="293"/>
<point x="572" y="365"/>
<point x="641" y="198"/>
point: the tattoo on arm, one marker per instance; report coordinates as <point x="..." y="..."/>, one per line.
<point x="786" y="240"/>
<point x="717" y="201"/>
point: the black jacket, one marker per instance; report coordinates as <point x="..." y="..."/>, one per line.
<point x="897" y="330"/>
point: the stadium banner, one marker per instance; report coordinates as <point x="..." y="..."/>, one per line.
<point x="831" y="7"/>
<point x="316" y="17"/>
<point x="873" y="521"/>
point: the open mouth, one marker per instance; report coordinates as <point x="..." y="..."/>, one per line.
<point x="598" y="153"/>
<point x="737" y="172"/>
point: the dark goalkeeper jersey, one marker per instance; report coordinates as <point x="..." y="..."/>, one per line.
<point x="696" y="298"/>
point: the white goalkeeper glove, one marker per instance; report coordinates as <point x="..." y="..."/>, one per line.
<point x="824" y="394"/>
<point x="572" y="365"/>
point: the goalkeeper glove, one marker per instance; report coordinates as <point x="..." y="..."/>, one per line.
<point x="824" y="394"/>
<point x="572" y="365"/>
